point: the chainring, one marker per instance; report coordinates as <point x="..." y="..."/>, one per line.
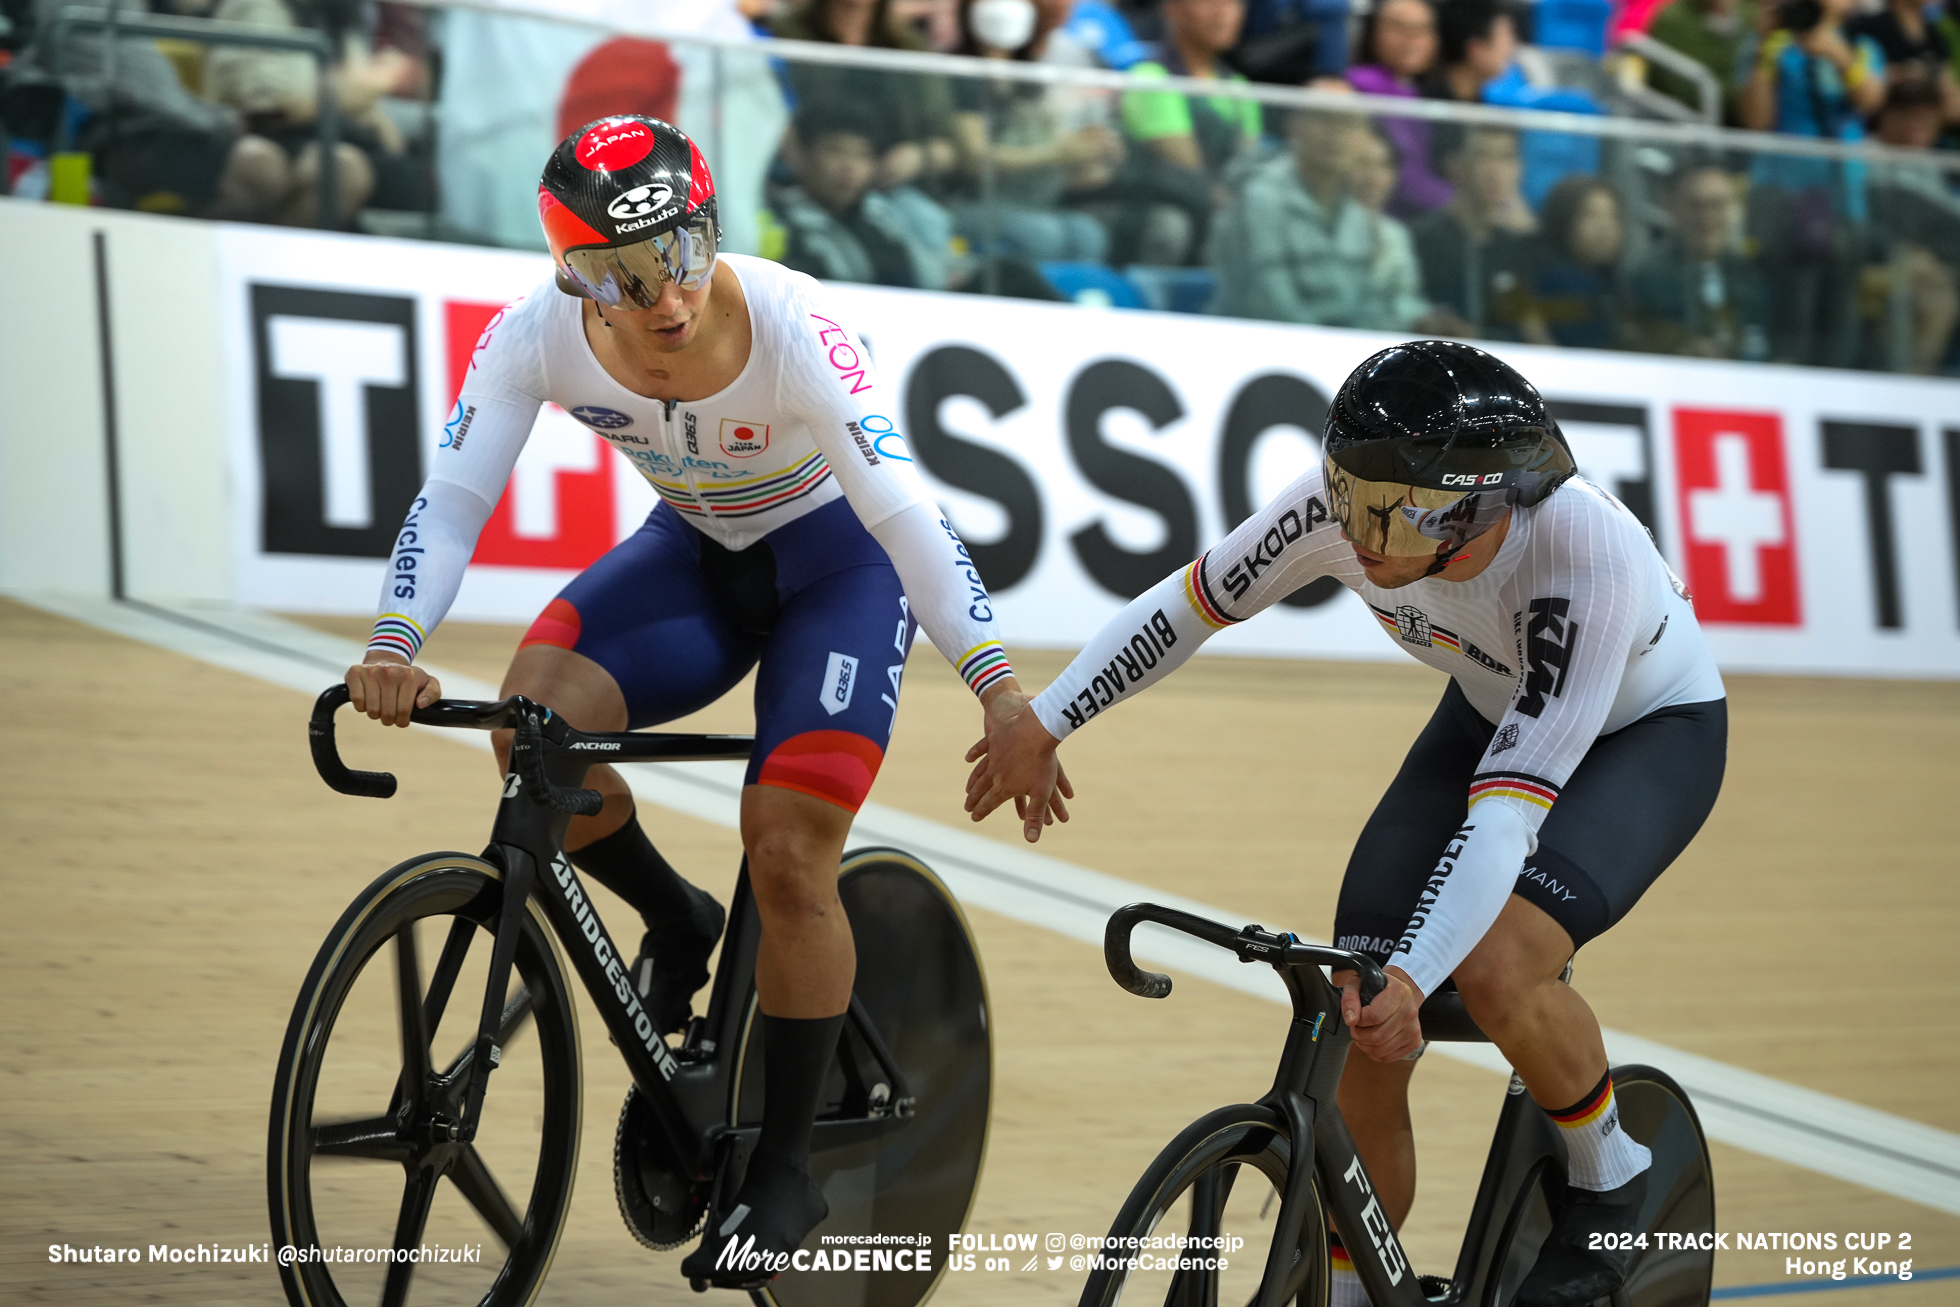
<point x="660" y="1205"/>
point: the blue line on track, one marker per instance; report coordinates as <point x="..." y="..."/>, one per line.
<point x="1826" y="1286"/>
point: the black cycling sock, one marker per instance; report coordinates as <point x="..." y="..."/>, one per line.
<point x="797" y="1053"/>
<point x="626" y="863"/>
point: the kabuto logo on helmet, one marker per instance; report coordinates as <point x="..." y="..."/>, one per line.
<point x="641" y="201"/>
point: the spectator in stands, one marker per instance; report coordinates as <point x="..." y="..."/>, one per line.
<point x="1575" y="280"/>
<point x="1916" y="219"/>
<point x="278" y="93"/>
<point x="1398" y="51"/>
<point x="1291" y="42"/>
<point x="1369" y="166"/>
<point x="1296" y="247"/>
<point x="1710" y="32"/>
<point x="915" y="111"/>
<point x="1807" y="79"/>
<point x="1913" y="47"/>
<point x="1479" y="38"/>
<point x="1023" y="157"/>
<point x="1695" y="292"/>
<point x="1475" y="252"/>
<point x="1185" y="144"/>
<point x="839" y="228"/>
<point x="156" y="147"/>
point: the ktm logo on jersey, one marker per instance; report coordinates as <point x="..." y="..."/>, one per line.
<point x="743" y="439"/>
<point x="1550" y="639"/>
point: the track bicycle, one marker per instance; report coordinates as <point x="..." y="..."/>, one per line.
<point x="1216" y="1182"/>
<point x="368" y="1124"/>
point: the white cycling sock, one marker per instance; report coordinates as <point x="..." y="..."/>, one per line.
<point x="1599" y="1155"/>
<point x="1345" y="1289"/>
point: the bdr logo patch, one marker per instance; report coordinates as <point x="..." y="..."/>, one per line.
<point x="839" y="680"/>
<point x="741" y="439"/>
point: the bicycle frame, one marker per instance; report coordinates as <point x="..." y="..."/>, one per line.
<point x="689" y="1089"/>
<point x="1304" y="1096"/>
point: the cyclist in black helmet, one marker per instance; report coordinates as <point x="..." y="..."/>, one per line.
<point x="1577" y="749"/>
<point x="793" y="536"/>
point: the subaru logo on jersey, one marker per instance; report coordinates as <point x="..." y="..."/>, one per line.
<point x="606" y="419"/>
<point x="640" y="201"/>
<point x="741" y="439"/>
<point x="839" y="679"/>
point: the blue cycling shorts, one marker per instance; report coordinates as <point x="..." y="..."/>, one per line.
<point x="677" y="620"/>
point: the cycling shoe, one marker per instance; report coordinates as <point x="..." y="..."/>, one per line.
<point x="752" y="1243"/>
<point x="1571" y="1270"/>
<point x="673" y="961"/>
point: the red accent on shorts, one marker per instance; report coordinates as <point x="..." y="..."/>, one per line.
<point x="563" y="229"/>
<point x="614" y="143"/>
<point x="558" y="625"/>
<point x="835" y="766"/>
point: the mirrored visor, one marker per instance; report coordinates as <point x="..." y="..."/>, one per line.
<point x="633" y="274"/>
<point x="1404" y="521"/>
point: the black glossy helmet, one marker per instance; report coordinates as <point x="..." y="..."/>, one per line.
<point x="628" y="205"/>
<point x="1428" y="443"/>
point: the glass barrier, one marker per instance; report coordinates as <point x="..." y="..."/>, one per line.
<point x="1048" y="181"/>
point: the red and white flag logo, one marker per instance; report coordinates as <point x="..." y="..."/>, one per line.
<point x="1740" y="539"/>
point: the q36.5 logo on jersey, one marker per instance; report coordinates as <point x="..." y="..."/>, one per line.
<point x="640" y="201"/>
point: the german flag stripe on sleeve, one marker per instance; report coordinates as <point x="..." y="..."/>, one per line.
<point x="1513" y="785"/>
<point x="397" y="634"/>
<point x="1199" y="595"/>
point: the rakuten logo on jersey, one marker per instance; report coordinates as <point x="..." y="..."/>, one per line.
<point x="1739" y="539"/>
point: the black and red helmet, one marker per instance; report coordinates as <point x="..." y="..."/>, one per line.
<point x="628" y="205"/>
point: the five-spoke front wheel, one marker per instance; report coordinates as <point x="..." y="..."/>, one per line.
<point x="378" y="1182"/>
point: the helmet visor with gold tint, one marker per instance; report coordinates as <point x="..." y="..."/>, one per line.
<point x="1398" y="520"/>
<point x="632" y="275"/>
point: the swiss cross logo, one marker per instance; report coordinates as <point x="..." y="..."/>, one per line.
<point x="1739" y="538"/>
<point x="557" y="508"/>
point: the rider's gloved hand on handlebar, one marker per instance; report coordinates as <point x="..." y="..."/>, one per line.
<point x="1388" y="1029"/>
<point x="388" y="689"/>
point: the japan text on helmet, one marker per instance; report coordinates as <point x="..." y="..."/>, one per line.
<point x="628" y="205"/>
<point x="1429" y="442"/>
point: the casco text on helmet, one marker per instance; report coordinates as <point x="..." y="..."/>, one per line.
<point x="628" y="204"/>
<point x="1427" y="443"/>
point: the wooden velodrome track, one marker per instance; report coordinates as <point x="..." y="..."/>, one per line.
<point x="172" y="863"/>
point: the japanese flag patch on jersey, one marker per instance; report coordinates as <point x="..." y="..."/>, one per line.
<point x="743" y="439"/>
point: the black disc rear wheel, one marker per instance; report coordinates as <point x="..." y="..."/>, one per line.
<point x="919" y="980"/>
<point x="1212" y="1195"/>
<point x="1654" y="1111"/>
<point x="362" y="1155"/>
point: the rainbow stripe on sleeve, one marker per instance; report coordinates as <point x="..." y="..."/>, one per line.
<point x="397" y="634"/>
<point x="1198" y="594"/>
<point x="1513" y="785"/>
<point x="984" y="664"/>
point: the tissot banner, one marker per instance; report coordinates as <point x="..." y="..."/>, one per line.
<point x="1083" y="453"/>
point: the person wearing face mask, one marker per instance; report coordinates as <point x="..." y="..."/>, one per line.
<point x="1027" y="150"/>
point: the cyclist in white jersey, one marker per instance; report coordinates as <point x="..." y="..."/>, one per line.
<point x="794" y="534"/>
<point x="1577" y="749"/>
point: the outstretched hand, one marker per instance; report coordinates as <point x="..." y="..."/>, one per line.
<point x="1016" y="760"/>
<point x="1388" y="1029"/>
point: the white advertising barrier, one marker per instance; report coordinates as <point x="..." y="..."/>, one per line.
<point x="1084" y="453"/>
